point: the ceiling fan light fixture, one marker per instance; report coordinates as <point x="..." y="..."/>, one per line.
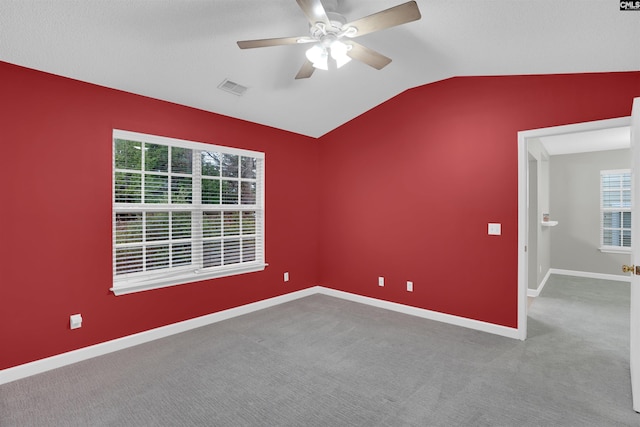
<point x="318" y="56"/>
<point x="327" y="27"/>
<point x="339" y="53"/>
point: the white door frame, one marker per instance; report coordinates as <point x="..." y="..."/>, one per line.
<point x="634" y="326"/>
<point x="523" y="233"/>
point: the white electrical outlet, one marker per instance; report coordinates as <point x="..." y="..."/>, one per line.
<point x="286" y="276"/>
<point x="380" y="281"/>
<point x="409" y="286"/>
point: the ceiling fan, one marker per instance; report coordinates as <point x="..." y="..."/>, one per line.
<point x="332" y="35"/>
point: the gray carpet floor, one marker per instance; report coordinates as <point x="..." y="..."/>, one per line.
<point x="322" y="361"/>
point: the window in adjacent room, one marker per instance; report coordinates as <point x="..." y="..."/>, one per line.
<point x="615" y="210"/>
<point x="184" y="211"/>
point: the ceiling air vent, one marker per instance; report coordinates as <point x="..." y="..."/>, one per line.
<point x="232" y="87"/>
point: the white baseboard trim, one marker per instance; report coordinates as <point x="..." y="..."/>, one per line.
<point x="68" y="358"/>
<point x="616" y="277"/>
<point x="425" y="314"/>
<point x="536" y="292"/>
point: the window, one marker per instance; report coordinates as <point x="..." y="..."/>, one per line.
<point x="615" y="210"/>
<point x="184" y="211"/>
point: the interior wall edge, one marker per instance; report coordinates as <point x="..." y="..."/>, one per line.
<point x="536" y="292"/>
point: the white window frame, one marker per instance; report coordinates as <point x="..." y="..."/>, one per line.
<point x="146" y="279"/>
<point x="622" y="209"/>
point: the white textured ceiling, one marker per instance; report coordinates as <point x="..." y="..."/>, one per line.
<point x="181" y="50"/>
<point x="615" y="138"/>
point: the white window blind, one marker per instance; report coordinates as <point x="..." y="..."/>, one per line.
<point x="615" y="210"/>
<point x="184" y="211"/>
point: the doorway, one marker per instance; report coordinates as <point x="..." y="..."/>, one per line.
<point x="527" y="220"/>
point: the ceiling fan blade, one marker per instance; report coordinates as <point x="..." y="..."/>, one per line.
<point x="250" y="44"/>
<point x="314" y="11"/>
<point x="306" y="70"/>
<point x="397" y="15"/>
<point x="368" y="56"/>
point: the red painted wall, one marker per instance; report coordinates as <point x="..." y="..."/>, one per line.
<point x="55" y="211"/>
<point x="410" y="186"/>
<point x="404" y="191"/>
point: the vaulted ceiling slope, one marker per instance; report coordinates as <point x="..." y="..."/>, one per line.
<point x="181" y="50"/>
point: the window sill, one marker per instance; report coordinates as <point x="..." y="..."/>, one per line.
<point x="129" y="287"/>
<point x="613" y="250"/>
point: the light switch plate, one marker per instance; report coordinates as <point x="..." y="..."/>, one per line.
<point x="495" y="229"/>
<point x="75" y="321"/>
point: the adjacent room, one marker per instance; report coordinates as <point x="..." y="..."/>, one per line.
<point x="576" y="226"/>
<point x="305" y="213"/>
